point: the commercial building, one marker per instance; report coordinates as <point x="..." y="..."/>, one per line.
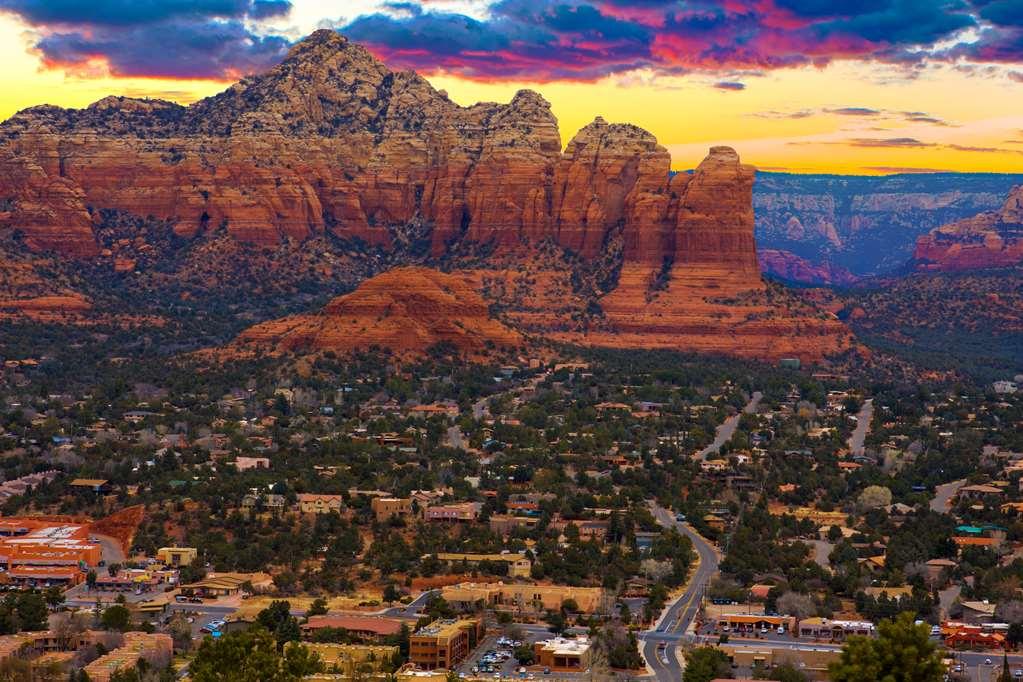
<point x="32" y="542"/>
<point x="812" y="662"/>
<point x="523" y="599"/>
<point x="227" y="584"/>
<point x="129" y="580"/>
<point x="834" y="630"/>
<point x="563" y="655"/>
<point x="363" y="628"/>
<point x="752" y="622"/>
<point x="177" y="556"/>
<point x="444" y="643"/>
<point x="353" y="661"/>
<point x="32" y="577"/>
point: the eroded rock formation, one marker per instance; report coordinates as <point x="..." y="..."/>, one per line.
<point x="331" y="143"/>
<point x="407" y="310"/>
<point x="988" y="240"/>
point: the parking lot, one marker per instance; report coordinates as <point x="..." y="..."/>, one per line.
<point x="494" y="657"/>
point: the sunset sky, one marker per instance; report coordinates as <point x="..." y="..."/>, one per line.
<point x="852" y="86"/>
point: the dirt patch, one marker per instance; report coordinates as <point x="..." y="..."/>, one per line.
<point x="121" y="526"/>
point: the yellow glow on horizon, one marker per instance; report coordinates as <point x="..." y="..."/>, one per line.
<point x="686" y="114"/>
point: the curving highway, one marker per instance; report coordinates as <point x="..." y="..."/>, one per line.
<point x="680" y="614"/>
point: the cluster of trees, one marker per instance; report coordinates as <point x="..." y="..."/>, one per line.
<point x="23" y="612"/>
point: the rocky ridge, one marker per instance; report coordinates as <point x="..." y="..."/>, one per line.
<point x="988" y="240"/>
<point x="331" y="145"/>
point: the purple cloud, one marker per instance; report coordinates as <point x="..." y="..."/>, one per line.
<point x="170" y="38"/>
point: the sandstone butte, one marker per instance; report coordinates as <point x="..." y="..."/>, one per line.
<point x="406" y="309"/>
<point x="331" y="141"/>
<point x="988" y="240"/>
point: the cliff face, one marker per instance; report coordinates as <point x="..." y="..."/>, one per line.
<point x="866" y="225"/>
<point x="988" y="240"/>
<point x="788" y="266"/>
<point x="330" y="144"/>
<point x="405" y="309"/>
<point x="704" y="292"/>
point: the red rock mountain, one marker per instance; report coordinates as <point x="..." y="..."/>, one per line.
<point x="406" y="309"/>
<point x="988" y="240"/>
<point x="332" y="142"/>
<point x="788" y="266"/>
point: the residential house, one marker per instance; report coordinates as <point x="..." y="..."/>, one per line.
<point x="320" y="504"/>
<point x="386" y="508"/>
<point x="462" y="511"/>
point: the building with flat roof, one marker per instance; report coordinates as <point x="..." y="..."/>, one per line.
<point x="386" y="508"/>
<point x="752" y="622"/>
<point x="177" y="556"/>
<point x="523" y="598"/>
<point x="41" y="543"/>
<point x="518" y="565"/>
<point x="461" y="511"/>
<point x="96" y="485"/>
<point x="444" y="643"/>
<point x="563" y="655"/>
<point x="834" y="630"/>
<point x="812" y="662"/>
<point x="364" y="628"/>
<point x="351" y="660"/>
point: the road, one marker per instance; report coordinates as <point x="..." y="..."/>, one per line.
<point x="859" y="434"/>
<point x="726" y="430"/>
<point x="943" y="495"/>
<point x="678" y="616"/>
<point x="414" y="608"/>
<point x="110" y="549"/>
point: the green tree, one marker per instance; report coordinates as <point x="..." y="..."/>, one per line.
<point x="32" y="611"/>
<point x="524" y="654"/>
<point x="901" y="651"/>
<point x="391" y="593"/>
<point x="54" y="596"/>
<point x="785" y="672"/>
<point x="251" y="656"/>
<point x="278" y="621"/>
<point x="117" y="617"/>
<point x="705" y="664"/>
<point x="317" y="608"/>
<point x="90" y="579"/>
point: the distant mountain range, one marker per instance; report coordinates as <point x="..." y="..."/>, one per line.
<point x="826" y="228"/>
